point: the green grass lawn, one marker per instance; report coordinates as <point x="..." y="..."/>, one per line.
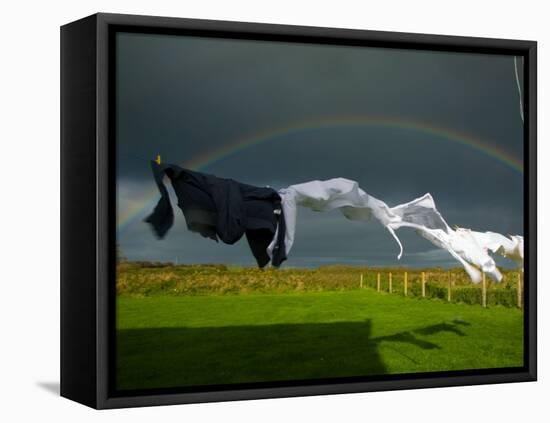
<point x="165" y="341"/>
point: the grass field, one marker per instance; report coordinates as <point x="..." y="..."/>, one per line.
<point x="168" y="339"/>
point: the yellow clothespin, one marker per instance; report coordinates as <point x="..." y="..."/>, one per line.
<point x="158" y="159"/>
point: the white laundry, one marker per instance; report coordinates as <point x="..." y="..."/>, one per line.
<point x="420" y="214"/>
<point x="511" y="248"/>
<point x="337" y="193"/>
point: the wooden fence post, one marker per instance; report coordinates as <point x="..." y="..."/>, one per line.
<point x="449" y="287"/>
<point x="520" y="305"/>
<point x="389" y="281"/>
<point x="405" y="278"/>
<point x="423" y="284"/>
<point x="361" y="283"/>
<point x="378" y="282"/>
<point x="483" y="290"/>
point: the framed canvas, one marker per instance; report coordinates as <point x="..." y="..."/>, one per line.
<point x="255" y="211"/>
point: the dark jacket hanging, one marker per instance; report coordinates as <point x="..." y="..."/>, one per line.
<point x="219" y="208"/>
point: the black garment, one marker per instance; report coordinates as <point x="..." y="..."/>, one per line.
<point x="223" y="209"/>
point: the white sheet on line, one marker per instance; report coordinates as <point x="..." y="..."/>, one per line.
<point x="511" y="248"/>
<point x="420" y="214"/>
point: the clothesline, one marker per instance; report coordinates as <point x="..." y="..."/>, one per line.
<point x="225" y="209"/>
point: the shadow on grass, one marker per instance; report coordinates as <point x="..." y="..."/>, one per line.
<point x="169" y="357"/>
<point x="408" y="337"/>
<point x="441" y="327"/>
<point x="179" y="357"/>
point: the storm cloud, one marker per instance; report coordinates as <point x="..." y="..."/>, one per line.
<point x="400" y="122"/>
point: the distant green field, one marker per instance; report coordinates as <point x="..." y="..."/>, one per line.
<point x="144" y="279"/>
<point x="188" y="340"/>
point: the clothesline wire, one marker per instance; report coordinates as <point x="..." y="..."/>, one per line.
<point x="135" y="156"/>
<point x="519" y="88"/>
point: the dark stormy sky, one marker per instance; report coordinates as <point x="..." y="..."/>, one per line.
<point x="185" y="96"/>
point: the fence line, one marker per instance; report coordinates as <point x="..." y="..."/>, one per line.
<point x="520" y="305"/>
<point x="447" y="285"/>
<point x="423" y="285"/>
<point x="483" y="290"/>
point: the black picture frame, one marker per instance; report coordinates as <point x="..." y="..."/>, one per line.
<point x="88" y="214"/>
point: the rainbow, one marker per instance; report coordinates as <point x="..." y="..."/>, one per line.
<point x="148" y="199"/>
